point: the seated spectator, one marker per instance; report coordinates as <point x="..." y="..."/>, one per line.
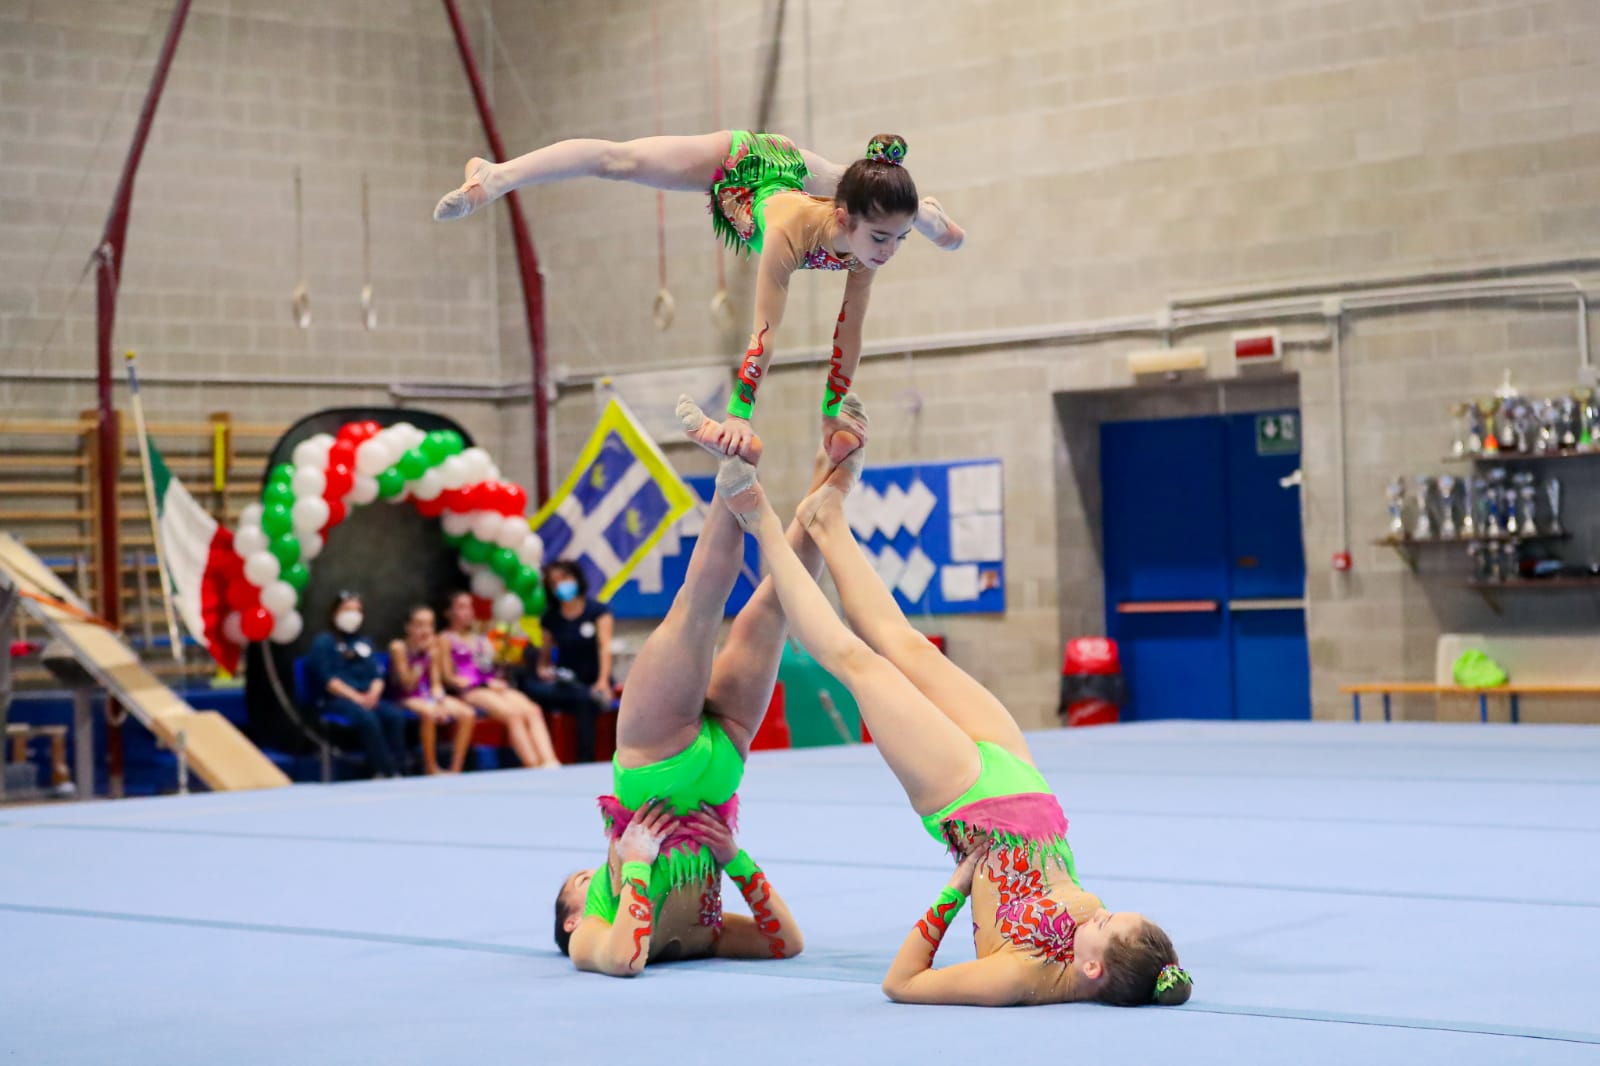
<point x="467" y="663"/>
<point x="419" y="684"/>
<point x="346" y="681"/>
<point x="574" y="670"/>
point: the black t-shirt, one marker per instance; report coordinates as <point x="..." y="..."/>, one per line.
<point x="577" y="640"/>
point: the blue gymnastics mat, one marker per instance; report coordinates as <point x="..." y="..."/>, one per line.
<point x="1342" y="894"/>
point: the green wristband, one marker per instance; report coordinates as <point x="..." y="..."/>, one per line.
<point x="738" y="407"/>
<point x="741" y="865"/>
<point x="637" y="871"/>
<point x="950" y="895"/>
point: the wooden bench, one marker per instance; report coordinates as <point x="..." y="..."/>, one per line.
<point x="1513" y="692"/>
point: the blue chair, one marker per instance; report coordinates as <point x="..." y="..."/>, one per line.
<point x="330" y="719"/>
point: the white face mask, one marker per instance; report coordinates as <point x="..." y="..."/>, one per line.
<point x="348" y="621"/>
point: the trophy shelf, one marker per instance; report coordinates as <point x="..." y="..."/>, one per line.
<point x="1490" y="590"/>
<point x="1489" y="459"/>
<point x="1407" y="547"/>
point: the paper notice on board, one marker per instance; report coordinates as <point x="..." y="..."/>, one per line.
<point x="890" y="565"/>
<point x="959" y="584"/>
<point x="892" y="511"/>
<point x="920" y="502"/>
<point x="917" y="574"/>
<point x="975" y="489"/>
<point x="976" y="538"/>
<point x="861" y="511"/>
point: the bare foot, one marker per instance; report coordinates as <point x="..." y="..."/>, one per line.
<point x="741" y="492"/>
<point x="938" y="227"/>
<point x="472" y="195"/>
<point x="843" y="477"/>
<point x="704" y="431"/>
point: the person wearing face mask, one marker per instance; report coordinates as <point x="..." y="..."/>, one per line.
<point x="574" y="671"/>
<point x="346" y="681"/>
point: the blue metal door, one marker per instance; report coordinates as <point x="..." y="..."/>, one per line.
<point x="1205" y="568"/>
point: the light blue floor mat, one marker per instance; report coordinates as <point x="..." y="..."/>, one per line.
<point x="1342" y="894"/>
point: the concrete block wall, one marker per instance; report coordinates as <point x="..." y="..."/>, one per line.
<point x="342" y="90"/>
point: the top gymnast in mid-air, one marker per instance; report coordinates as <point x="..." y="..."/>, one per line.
<point x="789" y="206"/>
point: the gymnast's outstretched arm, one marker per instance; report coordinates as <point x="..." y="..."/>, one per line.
<point x="996" y="981"/>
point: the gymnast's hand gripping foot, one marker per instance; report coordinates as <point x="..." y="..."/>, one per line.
<point x="966" y="769"/>
<point x="790" y="207"/>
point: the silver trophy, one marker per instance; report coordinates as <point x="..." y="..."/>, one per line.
<point x="1396" y="493"/>
<point x="1478" y="552"/>
<point x="1447" y="507"/>
<point x="1423" y="529"/>
<point x="1510" y="561"/>
<point x="1588" y="419"/>
<point x="1494" y="503"/>
<point x="1471" y="494"/>
<point x="1569" y="423"/>
<point x="1523" y="419"/>
<point x="1552" y="496"/>
<point x="1547" y="438"/>
<point x="1524" y="505"/>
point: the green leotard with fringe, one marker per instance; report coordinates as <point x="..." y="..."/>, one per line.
<point x="1002" y="774"/>
<point x="758" y="165"/>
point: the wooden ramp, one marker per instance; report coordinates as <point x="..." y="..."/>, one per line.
<point x="222" y="757"/>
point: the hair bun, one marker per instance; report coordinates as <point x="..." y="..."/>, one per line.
<point x="887" y="148"/>
<point x="1172" y="984"/>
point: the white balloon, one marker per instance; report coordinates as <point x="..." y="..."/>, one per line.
<point x="372" y="457"/>
<point x="363" y="490"/>
<point x="507" y="607"/>
<point x="279" y="598"/>
<point x="310" y="547"/>
<point x="456" y="523"/>
<point x="487" y="585"/>
<point x="493" y="474"/>
<point x="311" y="454"/>
<point x="233" y="628"/>
<point x="513" y="531"/>
<point x="309" y="481"/>
<point x="531" y="551"/>
<point x="249" y="540"/>
<point x="469" y="567"/>
<point x="455" y="471"/>
<point x="478" y="464"/>
<point x="428" y="486"/>
<point x="486" y="525"/>
<point x="310" y="514"/>
<point x="261" y="569"/>
<point x="287" y="627"/>
<point x="251" y="515"/>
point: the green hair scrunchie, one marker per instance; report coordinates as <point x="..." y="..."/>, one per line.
<point x="1170" y="977"/>
<point x="892" y="152"/>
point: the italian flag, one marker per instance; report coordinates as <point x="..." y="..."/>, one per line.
<point x="199" y="556"/>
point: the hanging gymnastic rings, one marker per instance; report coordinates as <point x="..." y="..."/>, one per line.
<point x="721" y="310"/>
<point x="300" y="305"/>
<point x="663" y="309"/>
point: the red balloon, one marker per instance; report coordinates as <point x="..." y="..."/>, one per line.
<point x="483" y="609"/>
<point x="343" y="451"/>
<point x="339" y="480"/>
<point x="455" y="500"/>
<point x="370" y="428"/>
<point x="430" y="508"/>
<point x="242" y="596"/>
<point x="336" y="514"/>
<point x="256" y="623"/>
<point x="516" y="499"/>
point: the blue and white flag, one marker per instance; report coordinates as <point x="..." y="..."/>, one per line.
<point x="621" y="497"/>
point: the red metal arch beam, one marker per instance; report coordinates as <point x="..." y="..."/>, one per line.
<point x="527" y="265"/>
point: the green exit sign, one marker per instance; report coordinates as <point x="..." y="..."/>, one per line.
<point x="1278" y="434"/>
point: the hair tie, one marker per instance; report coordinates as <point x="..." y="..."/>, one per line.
<point x="1170" y="976"/>
<point x="891" y="152"/>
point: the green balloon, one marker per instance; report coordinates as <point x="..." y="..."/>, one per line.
<point x="287" y="548"/>
<point x="282" y="472"/>
<point x="476" y="551"/>
<point x="278" y="492"/>
<point x="455" y="540"/>
<point x="434" y="448"/>
<point x="275" y="520"/>
<point x="533" y="602"/>
<point x="297" y="575"/>
<point x="391" y="482"/>
<point x="523" y="581"/>
<point x="453" y="444"/>
<point x="413" y="464"/>
<point x="504" y="563"/>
